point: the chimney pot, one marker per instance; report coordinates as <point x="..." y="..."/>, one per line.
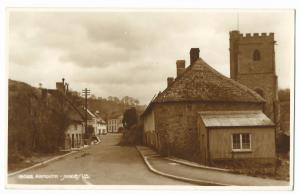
<point x="180" y="66"/>
<point x="194" y="55"/>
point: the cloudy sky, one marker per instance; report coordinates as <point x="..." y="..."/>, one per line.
<point x="122" y="52"/>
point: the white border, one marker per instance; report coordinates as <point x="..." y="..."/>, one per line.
<point x="127" y="4"/>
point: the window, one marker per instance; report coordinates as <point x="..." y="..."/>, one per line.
<point x="236" y="142"/>
<point x="256" y="55"/>
<point x="241" y="142"/>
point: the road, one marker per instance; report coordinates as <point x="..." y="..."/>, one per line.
<point x="103" y="164"/>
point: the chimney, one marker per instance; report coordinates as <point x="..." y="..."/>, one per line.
<point x="60" y="86"/>
<point x="180" y="65"/>
<point x="194" y="55"/>
<point x="170" y="80"/>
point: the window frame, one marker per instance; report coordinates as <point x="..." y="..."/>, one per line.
<point x="241" y="149"/>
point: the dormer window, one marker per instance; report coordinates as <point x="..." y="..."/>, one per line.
<point x="256" y="55"/>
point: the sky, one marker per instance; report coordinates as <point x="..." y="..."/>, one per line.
<point x="132" y="52"/>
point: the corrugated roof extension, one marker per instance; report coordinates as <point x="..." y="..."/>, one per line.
<point x="234" y="119"/>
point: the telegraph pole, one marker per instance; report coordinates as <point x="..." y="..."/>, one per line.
<point x="86" y="92"/>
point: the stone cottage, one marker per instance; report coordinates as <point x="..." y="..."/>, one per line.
<point x="178" y="120"/>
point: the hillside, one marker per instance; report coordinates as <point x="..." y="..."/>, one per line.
<point x="108" y="108"/>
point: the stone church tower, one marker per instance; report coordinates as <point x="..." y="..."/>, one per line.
<point x="252" y="63"/>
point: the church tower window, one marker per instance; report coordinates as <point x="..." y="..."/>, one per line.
<point x="256" y="55"/>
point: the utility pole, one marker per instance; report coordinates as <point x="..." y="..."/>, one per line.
<point x="86" y="92"/>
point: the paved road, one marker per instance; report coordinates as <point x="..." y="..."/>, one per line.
<point x="101" y="164"/>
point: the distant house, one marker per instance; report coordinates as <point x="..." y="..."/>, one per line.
<point x="206" y="117"/>
<point x="96" y="122"/>
<point x="101" y="127"/>
<point x="114" y="124"/>
<point x="91" y="121"/>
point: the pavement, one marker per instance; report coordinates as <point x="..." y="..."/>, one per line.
<point x="105" y="163"/>
<point x="179" y="169"/>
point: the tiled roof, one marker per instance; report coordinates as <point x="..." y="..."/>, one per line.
<point x="234" y="118"/>
<point x="200" y="82"/>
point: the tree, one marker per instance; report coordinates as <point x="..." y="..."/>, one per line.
<point x="284" y="95"/>
<point x="130" y="117"/>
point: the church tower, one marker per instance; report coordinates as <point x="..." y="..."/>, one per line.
<point x="252" y="63"/>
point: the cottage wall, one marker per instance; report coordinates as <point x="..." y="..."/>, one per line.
<point x="262" y="143"/>
<point x="176" y="126"/>
<point x="76" y="130"/>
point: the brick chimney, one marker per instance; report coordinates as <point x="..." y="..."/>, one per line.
<point x="60" y="86"/>
<point x="180" y="65"/>
<point x="194" y="55"/>
<point x="170" y="80"/>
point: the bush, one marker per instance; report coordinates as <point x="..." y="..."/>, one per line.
<point x="133" y="135"/>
